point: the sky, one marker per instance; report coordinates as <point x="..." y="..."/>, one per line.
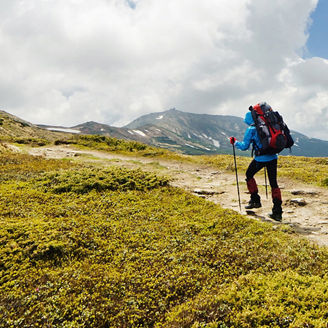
<point x="317" y="44"/>
<point x="65" y="62"/>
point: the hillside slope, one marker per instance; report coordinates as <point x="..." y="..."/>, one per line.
<point x="15" y="127"/>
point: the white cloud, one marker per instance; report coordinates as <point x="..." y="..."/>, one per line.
<point x="68" y="61"/>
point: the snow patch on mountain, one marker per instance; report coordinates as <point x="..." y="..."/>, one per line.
<point x="216" y="143"/>
<point x="140" y="133"/>
<point x="63" y="130"/>
<point x="203" y="147"/>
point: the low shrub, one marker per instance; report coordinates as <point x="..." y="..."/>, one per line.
<point x="325" y="182"/>
<point x="35" y="142"/>
<point x="281" y="299"/>
<point x="106" y="143"/>
<point x="87" y="179"/>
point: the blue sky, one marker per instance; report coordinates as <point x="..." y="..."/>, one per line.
<point x="317" y="45"/>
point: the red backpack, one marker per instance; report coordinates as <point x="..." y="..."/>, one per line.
<point x="271" y="128"/>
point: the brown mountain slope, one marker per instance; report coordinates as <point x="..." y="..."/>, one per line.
<point x="14" y="127"/>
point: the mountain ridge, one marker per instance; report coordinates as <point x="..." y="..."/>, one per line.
<point x="183" y="132"/>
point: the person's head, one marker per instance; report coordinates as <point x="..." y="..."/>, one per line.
<point x="248" y="118"/>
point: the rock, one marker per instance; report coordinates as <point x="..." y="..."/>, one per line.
<point x="298" y="201"/>
<point x="304" y="192"/>
<point x="297" y="192"/>
<point x="215" y="173"/>
<point x="207" y="192"/>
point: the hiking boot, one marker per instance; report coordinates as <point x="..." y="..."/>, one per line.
<point x="255" y="202"/>
<point x="276" y="210"/>
<point x="276" y="216"/>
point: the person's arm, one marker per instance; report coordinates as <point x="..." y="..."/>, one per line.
<point x="244" y="145"/>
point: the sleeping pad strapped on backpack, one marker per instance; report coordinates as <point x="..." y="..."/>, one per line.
<point x="272" y="130"/>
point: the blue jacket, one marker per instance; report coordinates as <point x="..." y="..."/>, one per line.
<point x="251" y="137"/>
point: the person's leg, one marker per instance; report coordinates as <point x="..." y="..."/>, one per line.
<point x="253" y="168"/>
<point x="275" y="190"/>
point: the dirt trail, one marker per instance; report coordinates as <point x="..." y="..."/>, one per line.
<point x="305" y="207"/>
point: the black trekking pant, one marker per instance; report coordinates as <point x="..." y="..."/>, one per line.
<point x="271" y="166"/>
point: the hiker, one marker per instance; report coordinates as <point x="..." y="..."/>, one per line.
<point x="269" y="161"/>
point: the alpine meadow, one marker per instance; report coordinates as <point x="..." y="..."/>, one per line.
<point x="96" y="232"/>
<point x="163" y="164"/>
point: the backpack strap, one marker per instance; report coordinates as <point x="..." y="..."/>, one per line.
<point x="255" y="148"/>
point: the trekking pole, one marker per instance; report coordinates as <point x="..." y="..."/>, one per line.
<point x="234" y="157"/>
<point x="266" y="184"/>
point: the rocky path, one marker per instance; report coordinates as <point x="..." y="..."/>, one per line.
<point x="305" y="207"/>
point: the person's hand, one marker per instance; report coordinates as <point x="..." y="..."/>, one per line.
<point x="233" y="140"/>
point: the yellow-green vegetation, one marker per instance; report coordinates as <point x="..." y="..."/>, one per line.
<point x="305" y="169"/>
<point x="84" y="247"/>
<point x="3" y="148"/>
<point x="310" y="170"/>
<point x="34" y="142"/>
<point x="293" y="167"/>
<point x="122" y="146"/>
<point x="85" y="180"/>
